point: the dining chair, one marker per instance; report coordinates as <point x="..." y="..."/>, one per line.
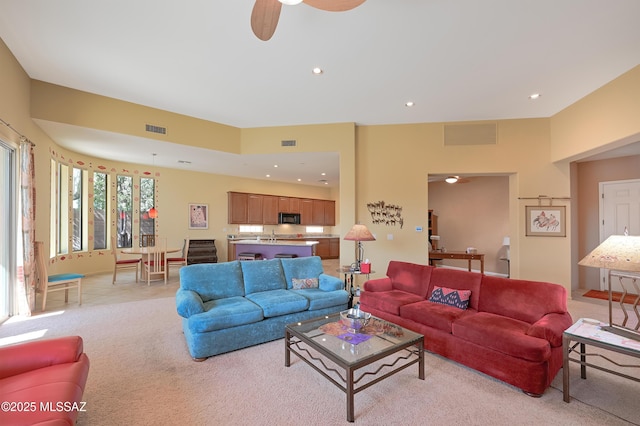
<point x="57" y="282"/>
<point x="182" y="260"/>
<point x="156" y="261"/>
<point x="122" y="263"/>
<point x="148" y="240"/>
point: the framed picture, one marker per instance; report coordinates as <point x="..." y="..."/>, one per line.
<point x="545" y="221"/>
<point x="198" y="216"/>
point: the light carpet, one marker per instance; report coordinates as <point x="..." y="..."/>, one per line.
<point x="141" y="374"/>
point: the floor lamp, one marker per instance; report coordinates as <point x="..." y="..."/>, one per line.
<point x="359" y="233"/>
<point x="619" y="254"/>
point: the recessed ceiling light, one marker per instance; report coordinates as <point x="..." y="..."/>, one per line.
<point x="267" y="175"/>
<point x="535" y="96"/>
<point x="409" y="104"/>
<point x="317" y="71"/>
<point x="275" y="165"/>
<point x="299" y="180"/>
<point x="323" y="174"/>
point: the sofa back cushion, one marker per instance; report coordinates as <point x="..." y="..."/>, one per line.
<point x="301" y="268"/>
<point x="213" y="280"/>
<point x="521" y="299"/>
<point x="457" y="280"/>
<point x="262" y="275"/>
<point x="410" y="277"/>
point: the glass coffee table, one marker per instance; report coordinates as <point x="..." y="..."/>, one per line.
<point x="336" y="353"/>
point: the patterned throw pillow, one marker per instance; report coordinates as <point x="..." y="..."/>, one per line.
<point x="300" y="283"/>
<point x="450" y="297"/>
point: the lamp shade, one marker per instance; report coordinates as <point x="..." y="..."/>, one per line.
<point x="618" y="252"/>
<point x="359" y="233"/>
<point x="153" y="213"/>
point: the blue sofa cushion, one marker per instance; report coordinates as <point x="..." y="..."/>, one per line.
<point x="301" y="268"/>
<point x="279" y="302"/>
<point x="262" y="275"/>
<point x="213" y="280"/>
<point x="320" y="299"/>
<point x="225" y="313"/>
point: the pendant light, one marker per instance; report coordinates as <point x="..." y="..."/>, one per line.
<point x="153" y="213"/>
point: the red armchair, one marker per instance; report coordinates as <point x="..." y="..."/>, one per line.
<point x="42" y="382"/>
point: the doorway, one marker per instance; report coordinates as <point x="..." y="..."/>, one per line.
<point x="619" y="211"/>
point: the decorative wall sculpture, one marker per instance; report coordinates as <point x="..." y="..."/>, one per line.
<point x="385" y="214"/>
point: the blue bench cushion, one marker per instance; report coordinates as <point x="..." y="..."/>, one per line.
<point x="262" y="275"/>
<point x="320" y="299"/>
<point x="225" y="313"/>
<point x="279" y="302"/>
<point x="213" y="280"/>
<point x="64" y="277"/>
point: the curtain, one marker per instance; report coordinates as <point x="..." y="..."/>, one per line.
<point x="27" y="291"/>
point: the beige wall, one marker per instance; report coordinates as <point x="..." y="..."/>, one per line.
<point x="473" y="214"/>
<point x="389" y="163"/>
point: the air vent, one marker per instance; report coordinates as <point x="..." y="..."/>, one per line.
<point x="470" y="134"/>
<point x="156" y="129"/>
<point x="291" y="142"/>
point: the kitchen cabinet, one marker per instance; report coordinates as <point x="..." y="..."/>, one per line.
<point x="323" y="248"/>
<point x="254" y="209"/>
<point x="306" y="212"/>
<point x="334" y="248"/>
<point x="329" y="213"/>
<point x="270" y="209"/>
<point x="237" y="207"/>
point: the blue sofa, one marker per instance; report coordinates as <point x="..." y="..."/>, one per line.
<point x="233" y="305"/>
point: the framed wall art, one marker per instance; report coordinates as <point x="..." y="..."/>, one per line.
<point x="198" y="216"/>
<point x="545" y="221"/>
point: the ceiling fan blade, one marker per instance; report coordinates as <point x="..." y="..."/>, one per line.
<point x="264" y="18"/>
<point x="334" y="5"/>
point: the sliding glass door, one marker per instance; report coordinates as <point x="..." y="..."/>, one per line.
<point x="7" y="228"/>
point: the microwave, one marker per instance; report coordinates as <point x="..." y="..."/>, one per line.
<point x="289" y="218"/>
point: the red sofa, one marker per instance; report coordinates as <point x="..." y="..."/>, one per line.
<point x="511" y="330"/>
<point x="42" y="382"/>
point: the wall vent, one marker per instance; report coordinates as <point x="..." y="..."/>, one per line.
<point x="291" y="142"/>
<point x="470" y="134"/>
<point x="156" y="129"/>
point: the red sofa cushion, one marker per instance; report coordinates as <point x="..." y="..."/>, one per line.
<point x="433" y="314"/>
<point x="521" y="299"/>
<point x="502" y="334"/>
<point x="388" y="301"/>
<point x="410" y="277"/>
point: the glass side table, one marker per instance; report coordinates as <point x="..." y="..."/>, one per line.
<point x="349" y="285"/>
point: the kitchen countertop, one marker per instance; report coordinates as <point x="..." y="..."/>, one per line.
<point x="274" y="243"/>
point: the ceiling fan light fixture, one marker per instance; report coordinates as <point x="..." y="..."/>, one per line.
<point x="451" y="179"/>
<point x="290" y="2"/>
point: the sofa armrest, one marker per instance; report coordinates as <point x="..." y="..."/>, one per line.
<point x="378" y="284"/>
<point x="188" y="303"/>
<point x="550" y="327"/>
<point x="330" y="283"/>
<point x="23" y="357"/>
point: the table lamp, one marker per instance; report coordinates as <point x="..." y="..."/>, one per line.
<point x="359" y="233"/>
<point x="619" y="254"/>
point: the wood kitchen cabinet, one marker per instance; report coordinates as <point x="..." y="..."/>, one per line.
<point x="329" y="213"/>
<point x="270" y="207"/>
<point x="334" y="248"/>
<point x="238" y="205"/>
<point x="306" y="212"/>
<point x="254" y="209"/>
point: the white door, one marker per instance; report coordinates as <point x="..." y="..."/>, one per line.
<point x="619" y="210"/>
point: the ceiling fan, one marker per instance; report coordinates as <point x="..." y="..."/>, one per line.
<point x="265" y="14"/>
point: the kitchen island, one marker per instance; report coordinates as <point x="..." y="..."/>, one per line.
<point x="269" y="249"/>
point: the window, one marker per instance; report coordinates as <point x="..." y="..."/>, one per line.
<point x="124" y="202"/>
<point x="250" y="228"/>
<point x="78" y="205"/>
<point x="314" y="229"/>
<point x="147" y="201"/>
<point x="100" y="197"/>
<point x="63" y="209"/>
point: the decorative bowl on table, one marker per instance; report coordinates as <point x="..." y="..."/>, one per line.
<point x="354" y="319"/>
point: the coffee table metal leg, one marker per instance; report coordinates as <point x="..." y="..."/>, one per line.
<point x="421" y="359"/>
<point x="565" y="369"/>
<point x="350" y="416"/>
<point x="287" y="349"/>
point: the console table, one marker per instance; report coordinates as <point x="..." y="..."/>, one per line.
<point x="461" y="255"/>
<point x="590" y="332"/>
